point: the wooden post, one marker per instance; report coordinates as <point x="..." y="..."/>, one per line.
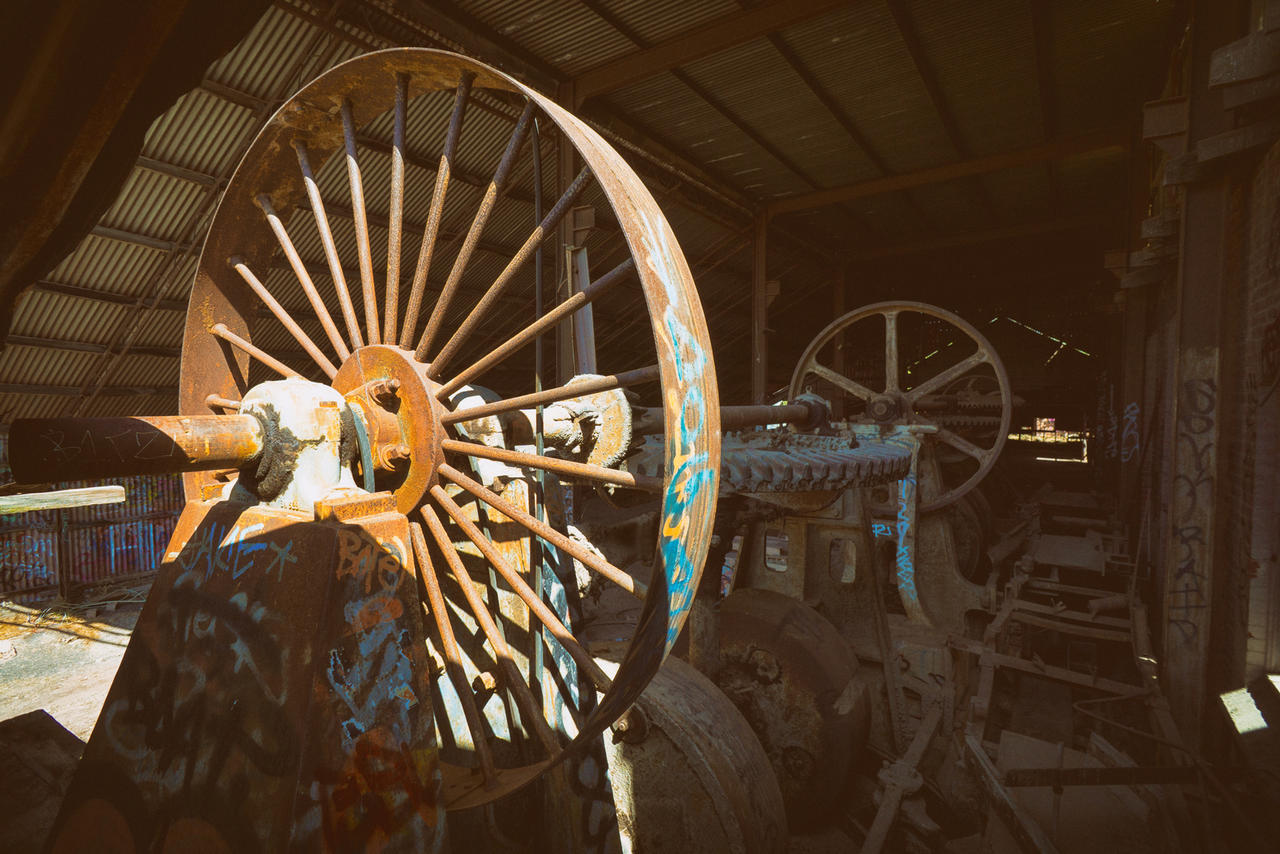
<point x="759" y="311"/>
<point x="1199" y="489"/>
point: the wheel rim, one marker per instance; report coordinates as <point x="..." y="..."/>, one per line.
<point x="401" y="368"/>
<point x="893" y="400"/>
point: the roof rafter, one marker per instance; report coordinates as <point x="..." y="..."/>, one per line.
<point x="1107" y="140"/>
<point x="929" y="77"/>
<point x="712" y="37"/>
<point x="106" y="297"/>
<point x="715" y="103"/>
<point x="86" y="347"/>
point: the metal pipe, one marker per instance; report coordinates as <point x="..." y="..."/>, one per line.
<point x="649" y="419"/>
<point x="735" y="417"/>
<point x="48" y="450"/>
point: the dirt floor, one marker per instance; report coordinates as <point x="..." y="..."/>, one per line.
<point x="57" y="661"/>
<point x="62" y="657"/>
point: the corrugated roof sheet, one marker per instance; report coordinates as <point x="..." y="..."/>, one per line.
<point x="983" y="55"/>
<point x="859" y="57"/>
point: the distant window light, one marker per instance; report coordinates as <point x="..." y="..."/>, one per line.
<point x="1046" y="425"/>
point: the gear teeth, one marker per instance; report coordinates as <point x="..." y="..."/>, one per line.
<point x="780" y="462"/>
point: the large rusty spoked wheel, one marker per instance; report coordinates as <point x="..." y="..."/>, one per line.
<point x="923" y="373"/>
<point x="405" y="320"/>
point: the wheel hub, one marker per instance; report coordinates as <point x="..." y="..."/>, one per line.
<point x="397" y="401"/>
<point x="884" y="408"/>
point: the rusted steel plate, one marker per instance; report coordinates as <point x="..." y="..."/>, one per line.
<point x="273" y="696"/>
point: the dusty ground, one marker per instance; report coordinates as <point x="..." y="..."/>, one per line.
<point x="57" y="662"/>
<point x="62" y="658"/>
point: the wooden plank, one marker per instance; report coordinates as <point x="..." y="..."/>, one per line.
<point x="986" y="656"/>
<point x="986" y="235"/>
<point x="1028" y="834"/>
<point x="61" y="499"/>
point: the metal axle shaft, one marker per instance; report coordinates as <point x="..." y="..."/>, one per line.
<point x="48" y="450"/>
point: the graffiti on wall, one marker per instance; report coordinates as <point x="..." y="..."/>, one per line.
<point x="1187" y="595"/>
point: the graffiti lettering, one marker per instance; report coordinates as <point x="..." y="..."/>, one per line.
<point x="183" y="715"/>
<point x="384" y="785"/>
<point x="1195" y="422"/>
<point x="142" y="445"/>
<point x="379" y="671"/>
<point x="1186" y="599"/>
<point x="1129" y="442"/>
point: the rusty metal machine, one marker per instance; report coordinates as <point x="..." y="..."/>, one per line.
<point x="801" y="597"/>
<point x="358" y="624"/>
<point x="398" y="597"/>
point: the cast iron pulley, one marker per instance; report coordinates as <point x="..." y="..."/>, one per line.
<point x="922" y="391"/>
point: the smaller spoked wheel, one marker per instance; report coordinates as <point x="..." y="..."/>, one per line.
<point x="910" y="363"/>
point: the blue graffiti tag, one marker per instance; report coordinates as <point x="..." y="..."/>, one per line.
<point x="690" y="474"/>
<point x="906" y="569"/>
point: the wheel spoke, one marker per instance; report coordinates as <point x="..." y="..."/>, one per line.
<point x="437" y="206"/>
<point x="304" y="278"/>
<point x="955" y="371"/>
<point x="546" y="532"/>
<point x="362" y="225"/>
<point x="395" y="216"/>
<point x="841" y="381"/>
<point x="515" y="682"/>
<point x="574" y="389"/>
<point x="522" y="589"/>
<point x="286" y="319"/>
<point x="220" y="330"/>
<point x="533" y="330"/>
<point x="542" y="232"/>
<point x="214" y="401"/>
<point x="330" y="248"/>
<point x="962" y="444"/>
<point x="491" y="193"/>
<point x="890" y="351"/>
<point x="564" y="468"/>
<point x="449" y="648"/>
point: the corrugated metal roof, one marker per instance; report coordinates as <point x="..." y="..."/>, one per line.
<point x="983" y="55"/>
<point x="259" y="64"/>
<point x="859" y="57"/>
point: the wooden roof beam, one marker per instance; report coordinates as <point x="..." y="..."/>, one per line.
<point x="1104" y="141"/>
<point x="712" y="37"/>
<point x="989" y="235"/>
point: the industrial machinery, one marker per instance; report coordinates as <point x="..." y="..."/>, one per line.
<point x="404" y="586"/>
<point x="800" y="599"/>
<point x="348" y="630"/>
